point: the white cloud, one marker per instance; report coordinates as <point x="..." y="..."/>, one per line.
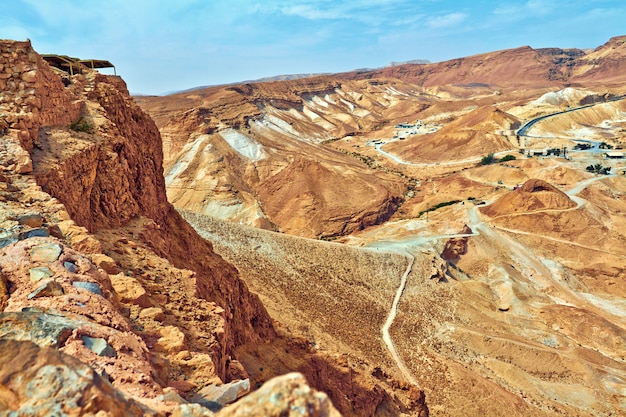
<point x="374" y="12"/>
<point x="451" y="19"/>
<point x="310" y="12"/>
<point x="539" y="7"/>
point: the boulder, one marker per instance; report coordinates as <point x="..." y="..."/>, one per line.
<point x="48" y="288"/>
<point x="286" y="395"/>
<point x="99" y="346"/>
<point x="92" y="287"/>
<point x="214" y="397"/>
<point x="29" y="76"/>
<point x="172" y="340"/>
<point x="105" y="263"/>
<point x="36" y="381"/>
<point x="154" y="313"/>
<point x="130" y="290"/>
<point x="45" y="253"/>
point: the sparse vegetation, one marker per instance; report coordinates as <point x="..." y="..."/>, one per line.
<point x="506" y="158"/>
<point x="491" y="159"/>
<point x="605" y="145"/>
<point x="438" y="206"/>
<point x="599" y="169"/>
<point x="82" y="125"/>
<point x="488" y="160"/>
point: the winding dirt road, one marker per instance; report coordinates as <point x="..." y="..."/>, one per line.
<point x="392" y="316"/>
<point x="477" y="224"/>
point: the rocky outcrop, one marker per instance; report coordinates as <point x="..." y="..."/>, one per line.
<point x="283" y="396"/>
<point x="97" y="265"/>
<point x="106" y="173"/>
<point x="457" y="246"/>
<point x="604" y="64"/>
<point x="114" y="174"/>
<point x="56" y="384"/>
<point x="533" y="196"/>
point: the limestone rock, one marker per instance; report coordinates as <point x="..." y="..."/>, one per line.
<point x="56" y="384"/>
<point x="37" y="274"/>
<point x="287" y="395"/>
<point x="29" y="76"/>
<point x="192" y="410"/>
<point x="214" y="397"/>
<point x="99" y="346"/>
<point x="86" y="244"/>
<point x="171" y="396"/>
<point x="172" y="340"/>
<point x="48" y="288"/>
<point x="154" y="313"/>
<point x="105" y="262"/>
<point x="130" y="290"/>
<point x="24" y="164"/>
<point x="46" y="253"/>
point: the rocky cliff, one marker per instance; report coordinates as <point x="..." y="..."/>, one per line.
<point x="98" y="268"/>
<point x="105" y="171"/>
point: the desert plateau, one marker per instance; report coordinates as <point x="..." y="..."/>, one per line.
<point x="424" y="239"/>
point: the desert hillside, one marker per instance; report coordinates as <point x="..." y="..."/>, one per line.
<point x="440" y="239"/>
<point x="493" y="276"/>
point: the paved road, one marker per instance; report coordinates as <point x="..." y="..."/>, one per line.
<point x="522" y="131"/>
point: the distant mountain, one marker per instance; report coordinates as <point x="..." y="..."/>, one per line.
<point x="286" y="77"/>
<point x="521" y="66"/>
<point x="412" y="62"/>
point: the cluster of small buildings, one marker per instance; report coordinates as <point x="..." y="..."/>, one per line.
<point x="407" y="129"/>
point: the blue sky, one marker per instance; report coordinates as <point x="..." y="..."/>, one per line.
<point x="166" y="45"/>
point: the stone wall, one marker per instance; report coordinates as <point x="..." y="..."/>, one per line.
<point x="31" y="94"/>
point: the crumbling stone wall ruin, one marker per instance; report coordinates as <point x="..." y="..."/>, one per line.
<point x="30" y="98"/>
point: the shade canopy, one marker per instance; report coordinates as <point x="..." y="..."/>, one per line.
<point x="75" y="65"/>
